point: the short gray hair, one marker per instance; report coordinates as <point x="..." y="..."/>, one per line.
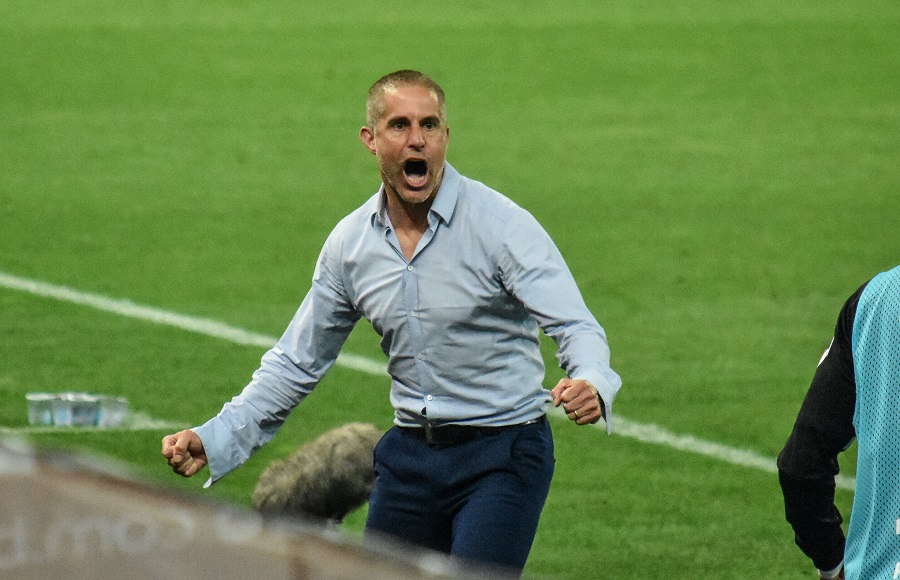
<point x="375" y="99"/>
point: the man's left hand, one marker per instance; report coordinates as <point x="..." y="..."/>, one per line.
<point x="579" y="399"/>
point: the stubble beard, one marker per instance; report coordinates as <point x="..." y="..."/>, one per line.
<point x="406" y="195"/>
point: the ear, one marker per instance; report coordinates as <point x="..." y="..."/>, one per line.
<point x="367" y="136"/>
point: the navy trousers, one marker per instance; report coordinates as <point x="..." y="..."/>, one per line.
<point x="479" y="500"/>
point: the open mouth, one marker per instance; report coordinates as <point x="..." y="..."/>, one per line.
<point x="415" y="168"/>
<point x="416" y="173"/>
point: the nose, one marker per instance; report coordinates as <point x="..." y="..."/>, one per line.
<point x="417" y="137"/>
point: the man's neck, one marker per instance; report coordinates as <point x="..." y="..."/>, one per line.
<point x="409" y="220"/>
<point x="405" y="215"/>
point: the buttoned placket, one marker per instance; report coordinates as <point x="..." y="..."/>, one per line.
<point x="412" y="304"/>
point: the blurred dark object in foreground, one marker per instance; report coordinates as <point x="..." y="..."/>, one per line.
<point x="73" y="517"/>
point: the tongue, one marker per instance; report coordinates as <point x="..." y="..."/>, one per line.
<point x="416" y="180"/>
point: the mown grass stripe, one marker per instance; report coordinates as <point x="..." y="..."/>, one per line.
<point x="644" y="432"/>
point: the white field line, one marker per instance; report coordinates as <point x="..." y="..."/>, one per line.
<point x="644" y="432"/>
<point x="136" y="422"/>
<point x="204" y="326"/>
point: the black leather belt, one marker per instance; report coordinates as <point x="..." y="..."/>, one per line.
<point x="455" y="434"/>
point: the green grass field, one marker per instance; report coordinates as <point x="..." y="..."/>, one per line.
<point x="720" y="176"/>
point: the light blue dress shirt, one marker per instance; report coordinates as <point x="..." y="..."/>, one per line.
<point x="459" y="322"/>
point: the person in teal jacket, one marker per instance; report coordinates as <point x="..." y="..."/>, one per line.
<point x="855" y="393"/>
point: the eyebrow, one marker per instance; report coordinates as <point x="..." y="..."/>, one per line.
<point x="436" y="119"/>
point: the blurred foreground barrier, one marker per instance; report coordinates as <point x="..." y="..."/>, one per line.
<point x="65" y="516"/>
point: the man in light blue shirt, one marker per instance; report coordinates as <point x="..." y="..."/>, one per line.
<point x="457" y="280"/>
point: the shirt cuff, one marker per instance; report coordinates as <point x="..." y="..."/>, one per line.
<point x="218" y="442"/>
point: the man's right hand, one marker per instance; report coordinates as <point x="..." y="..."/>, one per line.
<point x="184" y="452"/>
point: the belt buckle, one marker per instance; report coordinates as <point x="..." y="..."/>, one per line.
<point x="438" y="435"/>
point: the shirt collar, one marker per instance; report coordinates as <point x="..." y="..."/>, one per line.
<point x="443" y="205"/>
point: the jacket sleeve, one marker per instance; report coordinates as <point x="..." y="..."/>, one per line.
<point x="808" y="464"/>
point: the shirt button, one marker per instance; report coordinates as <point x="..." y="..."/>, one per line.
<point x="429" y="397"/>
<point x="410" y="268"/>
<point x="420" y="356"/>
